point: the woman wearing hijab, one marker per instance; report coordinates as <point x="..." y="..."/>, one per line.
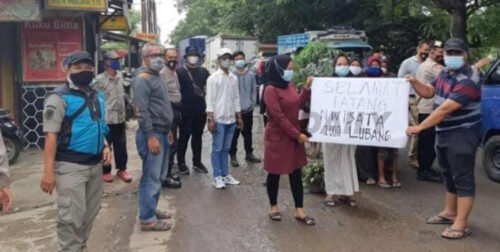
<point x="385" y="156"/>
<point x="356" y="68"/>
<point x="284" y="144"/>
<point x="341" y="178"/>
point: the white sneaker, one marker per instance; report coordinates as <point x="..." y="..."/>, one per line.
<point x="219" y="183"/>
<point x="230" y="180"/>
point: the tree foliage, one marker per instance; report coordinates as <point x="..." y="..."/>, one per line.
<point x="393" y="25"/>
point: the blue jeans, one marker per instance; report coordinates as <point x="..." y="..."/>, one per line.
<point x="222" y="139"/>
<point x="154" y="171"/>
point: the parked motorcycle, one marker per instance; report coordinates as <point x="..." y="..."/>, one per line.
<point x="12" y="136"/>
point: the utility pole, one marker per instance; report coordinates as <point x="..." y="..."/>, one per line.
<point x="144" y="12"/>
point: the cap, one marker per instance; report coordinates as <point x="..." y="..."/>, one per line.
<point x="192" y="51"/>
<point x="111" y="55"/>
<point x="77" y="57"/>
<point x="224" y="51"/>
<point x="437" y="44"/>
<point x="455" y="44"/>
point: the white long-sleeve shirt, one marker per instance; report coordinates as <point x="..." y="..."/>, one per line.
<point x="223" y="98"/>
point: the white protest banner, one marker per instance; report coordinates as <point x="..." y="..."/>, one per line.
<point x="360" y="111"/>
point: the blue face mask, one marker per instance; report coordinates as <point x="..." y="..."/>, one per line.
<point x="240" y="63"/>
<point x="342" y="71"/>
<point x="454" y="62"/>
<point x="287" y="75"/>
<point x="115" y="64"/>
<point x="372" y="71"/>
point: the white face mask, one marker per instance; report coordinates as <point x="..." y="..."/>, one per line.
<point x="193" y="60"/>
<point x="355" y="70"/>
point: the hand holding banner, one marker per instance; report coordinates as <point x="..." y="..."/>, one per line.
<point x="360" y="111"/>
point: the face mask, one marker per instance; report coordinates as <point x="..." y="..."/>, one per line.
<point x="225" y="63"/>
<point x="240" y="63"/>
<point x="172" y="64"/>
<point x="193" y="60"/>
<point x="342" y="71"/>
<point x="82" y="78"/>
<point x="355" y="70"/>
<point x="115" y="64"/>
<point x="287" y="75"/>
<point x="372" y="71"/>
<point x="384" y="70"/>
<point x="156" y="64"/>
<point x="454" y="62"/>
<point x="440" y="60"/>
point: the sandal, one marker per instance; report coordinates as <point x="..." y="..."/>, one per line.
<point x="461" y="233"/>
<point x="160" y="215"/>
<point x="330" y="202"/>
<point x="348" y="201"/>
<point x="275" y="216"/>
<point x="384" y="185"/>
<point x="159" y="226"/>
<point x="439" y="220"/>
<point x="371" y="182"/>
<point x="396" y="184"/>
<point x="306" y="220"/>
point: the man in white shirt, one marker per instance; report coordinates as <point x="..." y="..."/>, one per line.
<point x="224" y="115"/>
<point x="410" y="67"/>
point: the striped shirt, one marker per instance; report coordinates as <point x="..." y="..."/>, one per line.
<point x="464" y="87"/>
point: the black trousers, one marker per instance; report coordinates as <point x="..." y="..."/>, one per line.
<point x="175" y="131"/>
<point x="366" y="162"/>
<point x="273" y="184"/>
<point x="191" y="126"/>
<point x="456" y="155"/>
<point x="117" y="139"/>
<point x="246" y="132"/>
<point x="426" y="146"/>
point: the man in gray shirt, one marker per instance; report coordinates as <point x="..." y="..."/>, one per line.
<point x="248" y="97"/>
<point x="111" y="82"/>
<point x="410" y="67"/>
<point x="153" y="136"/>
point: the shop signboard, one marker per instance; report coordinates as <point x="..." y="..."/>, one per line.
<point x="113" y="23"/>
<point x="20" y="10"/>
<point x="45" y="44"/>
<point x="146" y="37"/>
<point x="81" y="5"/>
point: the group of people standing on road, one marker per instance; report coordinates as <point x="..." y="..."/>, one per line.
<point x="444" y="111"/>
<point x="85" y="119"/>
<point x="84" y="123"/>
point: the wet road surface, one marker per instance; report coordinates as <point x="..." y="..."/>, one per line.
<point x="235" y="219"/>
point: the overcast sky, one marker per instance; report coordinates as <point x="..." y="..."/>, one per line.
<point x="168" y="17"/>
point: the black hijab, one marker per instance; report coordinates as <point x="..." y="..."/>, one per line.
<point x="335" y="65"/>
<point x="272" y="75"/>
<point x="274" y="70"/>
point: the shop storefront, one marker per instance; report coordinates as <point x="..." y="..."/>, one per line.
<point x="31" y="58"/>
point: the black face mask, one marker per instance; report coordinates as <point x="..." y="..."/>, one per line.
<point x="82" y="78"/>
<point x="172" y="64"/>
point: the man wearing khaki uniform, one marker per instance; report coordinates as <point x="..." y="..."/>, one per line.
<point x="75" y="145"/>
<point x="5" y="193"/>
<point x="426" y="73"/>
